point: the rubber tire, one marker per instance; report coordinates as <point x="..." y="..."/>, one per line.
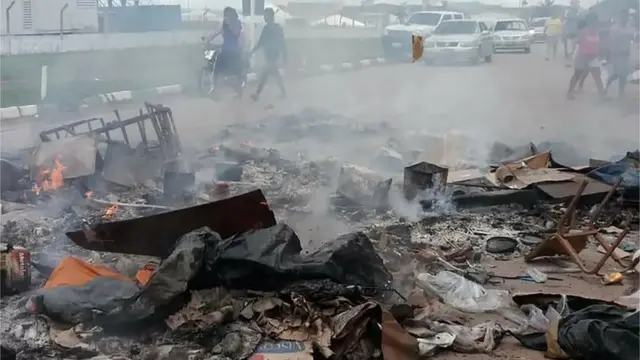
<point x="488" y="59"/>
<point x="501" y="245"/>
<point x="527" y="50"/>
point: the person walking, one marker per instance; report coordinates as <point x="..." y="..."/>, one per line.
<point x="229" y="60"/>
<point x="570" y="31"/>
<point x="273" y="46"/>
<point x="618" y="51"/>
<point x="586" y="57"/>
<point x="553" y="31"/>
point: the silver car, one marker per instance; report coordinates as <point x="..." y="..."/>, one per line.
<point x="459" y="41"/>
<point x="538" y="29"/>
<point x="512" y="34"/>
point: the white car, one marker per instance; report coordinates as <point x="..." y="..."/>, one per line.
<point x="459" y="41"/>
<point x="538" y="26"/>
<point x="396" y="39"/>
<point x="512" y="34"/>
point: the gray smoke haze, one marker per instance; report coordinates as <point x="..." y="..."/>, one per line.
<point x="409" y="106"/>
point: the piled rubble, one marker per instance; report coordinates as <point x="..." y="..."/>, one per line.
<point x="194" y="259"/>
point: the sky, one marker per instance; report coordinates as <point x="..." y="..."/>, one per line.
<point x="219" y="4"/>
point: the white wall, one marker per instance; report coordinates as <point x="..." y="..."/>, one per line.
<point x="79" y="16"/>
<point x="36" y="44"/>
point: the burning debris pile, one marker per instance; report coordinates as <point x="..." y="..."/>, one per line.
<point x="120" y="248"/>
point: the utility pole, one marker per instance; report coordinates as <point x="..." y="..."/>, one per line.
<point x="251" y="12"/>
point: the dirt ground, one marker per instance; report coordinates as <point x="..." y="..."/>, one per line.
<point x="519" y="98"/>
<point x="578" y="284"/>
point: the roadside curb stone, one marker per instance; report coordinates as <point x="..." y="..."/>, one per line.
<point x="123" y="96"/>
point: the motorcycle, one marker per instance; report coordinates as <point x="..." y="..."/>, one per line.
<point x="206" y="85"/>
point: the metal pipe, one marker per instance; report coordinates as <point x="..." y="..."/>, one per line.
<point x="64" y="7"/>
<point x="8" y="16"/>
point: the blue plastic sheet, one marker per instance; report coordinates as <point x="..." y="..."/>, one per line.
<point x="627" y="168"/>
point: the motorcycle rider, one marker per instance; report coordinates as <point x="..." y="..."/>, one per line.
<point x="273" y="45"/>
<point x="230" y="60"/>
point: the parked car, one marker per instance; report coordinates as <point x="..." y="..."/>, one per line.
<point x="396" y="39"/>
<point x="538" y="29"/>
<point x="459" y="41"/>
<point x="512" y="34"/>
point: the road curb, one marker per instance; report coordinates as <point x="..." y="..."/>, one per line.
<point x="123" y="96"/>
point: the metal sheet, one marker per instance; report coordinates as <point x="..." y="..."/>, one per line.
<point x="567" y="189"/>
<point x="424" y="176"/>
<point x="156" y="235"/>
<point x="120" y="164"/>
<point x="127" y="167"/>
<point x="77" y="154"/>
<point x="464" y="175"/>
<point x="363" y="186"/>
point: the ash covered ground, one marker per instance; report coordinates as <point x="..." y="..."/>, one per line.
<point x="295" y="160"/>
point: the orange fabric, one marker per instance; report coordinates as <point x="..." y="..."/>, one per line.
<point x="143" y="275"/>
<point x="417" y="47"/>
<point x="75" y="272"/>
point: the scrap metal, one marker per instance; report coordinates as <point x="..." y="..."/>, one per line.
<point x="568" y="241"/>
<point x="156" y="235"/>
<point x="158" y="116"/>
<point x="125" y="163"/>
<point x="423" y="176"/>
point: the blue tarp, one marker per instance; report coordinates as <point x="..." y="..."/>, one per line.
<point x="627" y="168"/>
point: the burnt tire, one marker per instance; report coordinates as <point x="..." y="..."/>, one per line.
<point x="527" y="50"/>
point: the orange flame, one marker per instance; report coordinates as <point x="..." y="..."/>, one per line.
<point x="110" y="212"/>
<point x="50" y="179"/>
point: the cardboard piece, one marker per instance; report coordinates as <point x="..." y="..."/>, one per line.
<point x="529" y="171"/>
<point x="618" y="252"/>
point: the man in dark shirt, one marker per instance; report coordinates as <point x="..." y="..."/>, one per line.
<point x="273" y="46"/>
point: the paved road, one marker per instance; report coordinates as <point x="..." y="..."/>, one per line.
<point x="519" y="97"/>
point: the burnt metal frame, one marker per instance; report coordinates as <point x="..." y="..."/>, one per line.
<point x="422" y="176"/>
<point x="565" y="241"/>
<point x="161" y="118"/>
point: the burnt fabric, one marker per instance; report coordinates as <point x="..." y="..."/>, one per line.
<point x="600" y="332"/>
<point x="111" y="301"/>
<point x="266" y="259"/>
<point x="271" y="259"/>
<point x="628" y="169"/>
<point x="102" y="301"/>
